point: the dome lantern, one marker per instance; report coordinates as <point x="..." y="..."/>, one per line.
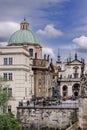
<point x="24" y="25"/>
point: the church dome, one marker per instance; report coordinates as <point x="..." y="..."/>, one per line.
<point x="23" y="36"/>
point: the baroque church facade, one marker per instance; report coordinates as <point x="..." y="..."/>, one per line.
<point x="69" y="77"/>
<point x="27" y="74"/>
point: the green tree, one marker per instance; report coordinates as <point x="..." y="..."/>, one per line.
<point x="4" y="94"/>
<point x="7" y="120"/>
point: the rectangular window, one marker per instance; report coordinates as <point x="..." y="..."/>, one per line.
<point x="10" y="76"/>
<point x="31" y="52"/>
<point x="5" y="76"/>
<point x="75" y="75"/>
<point x="10" y="91"/>
<point x="5" y="90"/>
<point x="10" y="61"/>
<point x="5" y="61"/>
<point x="9" y="108"/>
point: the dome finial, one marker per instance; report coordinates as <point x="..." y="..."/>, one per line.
<point x="24" y="18"/>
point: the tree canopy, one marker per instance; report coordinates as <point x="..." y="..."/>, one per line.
<point x="7" y="120"/>
<point x="4" y="93"/>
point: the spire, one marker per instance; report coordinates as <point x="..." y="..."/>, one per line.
<point x="24" y="25"/>
<point x="75" y="56"/>
<point x="70" y="58"/>
<point x="58" y="57"/>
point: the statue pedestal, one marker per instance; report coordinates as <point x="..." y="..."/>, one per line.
<point x="83" y="113"/>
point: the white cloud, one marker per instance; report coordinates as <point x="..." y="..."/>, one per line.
<point x="49" y="31"/>
<point x="81" y="41"/>
<point x="48" y="51"/>
<point x="29" y="9"/>
<point x="7" y="28"/>
<point x="3" y="43"/>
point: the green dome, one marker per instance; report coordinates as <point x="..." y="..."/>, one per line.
<point x="23" y="36"/>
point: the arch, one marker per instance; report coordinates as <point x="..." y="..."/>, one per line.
<point x="65" y="90"/>
<point x="75" y="89"/>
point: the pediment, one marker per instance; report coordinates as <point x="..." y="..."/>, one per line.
<point x="76" y="62"/>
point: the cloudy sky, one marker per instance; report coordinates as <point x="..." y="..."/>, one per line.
<point x="59" y="24"/>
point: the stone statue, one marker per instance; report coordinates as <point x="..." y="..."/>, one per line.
<point x="55" y="92"/>
<point x="83" y="84"/>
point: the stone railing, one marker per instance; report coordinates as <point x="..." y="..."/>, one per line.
<point x="40" y="62"/>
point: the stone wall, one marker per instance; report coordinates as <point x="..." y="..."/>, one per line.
<point x="51" y="118"/>
<point x="83" y="113"/>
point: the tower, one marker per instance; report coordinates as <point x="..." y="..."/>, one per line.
<point x="58" y="62"/>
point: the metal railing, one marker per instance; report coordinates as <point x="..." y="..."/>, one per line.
<point x="63" y="105"/>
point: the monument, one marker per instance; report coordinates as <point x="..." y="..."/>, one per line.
<point x="55" y="89"/>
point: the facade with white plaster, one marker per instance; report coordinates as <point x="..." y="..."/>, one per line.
<point x="15" y="68"/>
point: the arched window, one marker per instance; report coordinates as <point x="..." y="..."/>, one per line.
<point x="65" y="90"/>
<point x="31" y="52"/>
<point x="75" y="89"/>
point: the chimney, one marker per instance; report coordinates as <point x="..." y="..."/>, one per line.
<point x="48" y="58"/>
<point x="51" y="60"/>
<point x="44" y="56"/>
<point x="35" y="55"/>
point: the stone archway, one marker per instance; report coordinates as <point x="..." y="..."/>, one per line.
<point x="75" y="89"/>
<point x="64" y="90"/>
